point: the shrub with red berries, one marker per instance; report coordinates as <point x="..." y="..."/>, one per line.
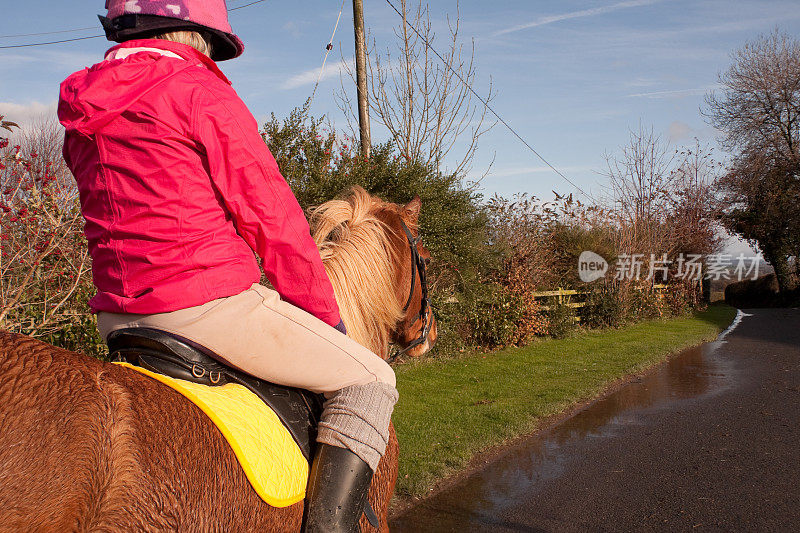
<point x="45" y="278"/>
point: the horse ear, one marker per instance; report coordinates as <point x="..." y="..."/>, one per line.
<point x="413" y="207"/>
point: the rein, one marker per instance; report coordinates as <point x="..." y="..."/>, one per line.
<point x="417" y="266"/>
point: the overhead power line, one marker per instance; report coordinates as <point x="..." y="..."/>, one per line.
<point x="52" y="42"/>
<point x="80" y="29"/>
<point x="246" y="5"/>
<point x="489" y="107"/>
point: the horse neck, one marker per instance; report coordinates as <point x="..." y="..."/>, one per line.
<point x="363" y="278"/>
<point x="360" y="259"/>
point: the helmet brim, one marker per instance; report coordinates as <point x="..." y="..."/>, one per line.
<point x="224" y="45"/>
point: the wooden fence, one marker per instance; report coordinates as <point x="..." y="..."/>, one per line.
<point x="565" y="296"/>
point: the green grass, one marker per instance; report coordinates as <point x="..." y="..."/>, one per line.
<point x="451" y="409"/>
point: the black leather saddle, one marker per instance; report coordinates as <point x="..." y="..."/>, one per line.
<point x="176" y="357"/>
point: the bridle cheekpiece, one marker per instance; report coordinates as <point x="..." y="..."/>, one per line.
<point x="418" y="265"/>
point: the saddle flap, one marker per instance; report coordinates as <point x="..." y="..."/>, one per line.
<point x="176" y="357"/>
<point x="267" y="453"/>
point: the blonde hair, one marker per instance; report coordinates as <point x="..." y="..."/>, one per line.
<point x="359" y="260"/>
<point x="192" y="38"/>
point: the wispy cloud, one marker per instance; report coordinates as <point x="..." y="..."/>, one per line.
<point x="293" y="28"/>
<point x="642" y="82"/>
<point x="542" y="21"/>
<point x="679" y="93"/>
<point x="66" y="61"/>
<point x="309" y="77"/>
<point x="24" y="114"/>
<point x="679" y="131"/>
<point x="522" y="171"/>
<point x="15" y="60"/>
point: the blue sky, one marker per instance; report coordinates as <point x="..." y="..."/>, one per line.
<point x="571" y="76"/>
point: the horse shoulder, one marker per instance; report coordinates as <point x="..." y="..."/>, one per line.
<point x="65" y="441"/>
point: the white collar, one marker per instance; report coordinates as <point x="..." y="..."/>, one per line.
<point x="122" y="53"/>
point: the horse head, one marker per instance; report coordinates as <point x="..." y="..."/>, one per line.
<point x="416" y="332"/>
<point x="376" y="261"/>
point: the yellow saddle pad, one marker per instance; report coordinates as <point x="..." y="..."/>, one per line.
<point x="271" y="459"/>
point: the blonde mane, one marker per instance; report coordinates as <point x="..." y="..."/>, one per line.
<point x="359" y="259"/>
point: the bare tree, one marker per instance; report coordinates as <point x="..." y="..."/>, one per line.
<point x="693" y="214"/>
<point x="640" y="180"/>
<point x="758" y="111"/>
<point x="425" y="101"/>
<point x="662" y="199"/>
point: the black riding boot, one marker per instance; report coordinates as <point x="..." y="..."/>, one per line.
<point x="337" y="491"/>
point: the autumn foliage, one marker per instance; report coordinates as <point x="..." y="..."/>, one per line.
<point x="491" y="258"/>
<point x="45" y="270"/>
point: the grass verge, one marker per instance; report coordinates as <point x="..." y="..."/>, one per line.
<point x="452" y="409"/>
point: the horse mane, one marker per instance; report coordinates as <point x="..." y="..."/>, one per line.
<point x="360" y="261"/>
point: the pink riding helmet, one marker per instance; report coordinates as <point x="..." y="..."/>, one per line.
<point x="132" y="19"/>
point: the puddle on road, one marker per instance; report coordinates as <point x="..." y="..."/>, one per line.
<point x="516" y="474"/>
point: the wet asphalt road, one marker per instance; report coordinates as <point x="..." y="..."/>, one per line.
<point x="709" y="441"/>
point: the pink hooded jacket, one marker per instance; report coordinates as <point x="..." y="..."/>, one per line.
<point x="178" y="188"/>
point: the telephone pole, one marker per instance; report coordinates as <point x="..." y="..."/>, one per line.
<point x="361" y="76"/>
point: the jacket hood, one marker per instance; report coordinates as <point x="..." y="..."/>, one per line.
<point x="93" y="97"/>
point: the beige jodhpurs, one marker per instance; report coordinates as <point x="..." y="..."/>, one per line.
<point x="255" y="331"/>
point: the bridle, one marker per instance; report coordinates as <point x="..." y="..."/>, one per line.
<point x="417" y="266"/>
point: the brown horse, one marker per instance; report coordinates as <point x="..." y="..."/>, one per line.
<point x="90" y="446"/>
